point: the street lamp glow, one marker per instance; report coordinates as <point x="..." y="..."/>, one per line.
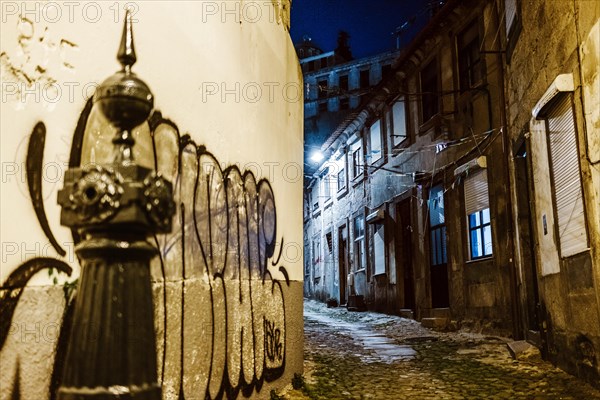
<point x="317" y="156"/>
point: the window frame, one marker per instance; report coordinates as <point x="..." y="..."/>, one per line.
<point x="480" y="228"/>
<point x="439" y="226"/>
<point x="391" y="124"/>
<point x="472" y="175"/>
<point x="471" y="63"/>
<point x="359" y="244"/>
<point x="382" y="147"/>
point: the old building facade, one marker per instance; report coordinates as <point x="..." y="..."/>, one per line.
<point x="449" y="196"/>
<point x="553" y="120"/>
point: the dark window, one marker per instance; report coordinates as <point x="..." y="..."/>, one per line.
<point x="344" y="103"/>
<point x="364" y="78"/>
<point x="323" y="106"/>
<point x="356" y="163"/>
<point x="311" y="66"/>
<point x="469" y="58"/>
<point x="341" y="179"/>
<point x="327" y="187"/>
<point x="386" y="70"/>
<point x="429" y="91"/>
<point x="343" y="83"/>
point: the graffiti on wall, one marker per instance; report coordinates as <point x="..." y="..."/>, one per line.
<point x="220" y="313"/>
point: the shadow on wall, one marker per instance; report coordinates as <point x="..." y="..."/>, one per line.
<point x="214" y="283"/>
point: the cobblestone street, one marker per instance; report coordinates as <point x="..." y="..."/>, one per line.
<point x="352" y="355"/>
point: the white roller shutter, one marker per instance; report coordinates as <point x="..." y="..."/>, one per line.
<point x="567" y="181"/>
<point x="476" y="192"/>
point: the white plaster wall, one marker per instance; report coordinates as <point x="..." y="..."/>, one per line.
<point x="225" y="72"/>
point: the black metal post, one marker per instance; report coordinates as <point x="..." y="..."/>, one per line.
<point x="112" y="350"/>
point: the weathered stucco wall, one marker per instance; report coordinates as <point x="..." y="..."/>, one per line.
<point x="224" y="73"/>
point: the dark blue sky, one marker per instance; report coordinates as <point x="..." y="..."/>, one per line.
<point x="370" y="23"/>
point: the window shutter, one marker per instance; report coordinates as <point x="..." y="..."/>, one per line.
<point x="476" y="192"/>
<point x="510" y="10"/>
<point x="567" y="181"/>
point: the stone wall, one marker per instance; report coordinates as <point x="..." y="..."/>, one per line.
<point x="560" y="38"/>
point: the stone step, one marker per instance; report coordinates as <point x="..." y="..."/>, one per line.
<point x="435" y="323"/>
<point x="407" y="313"/>
<point x="440" y="313"/>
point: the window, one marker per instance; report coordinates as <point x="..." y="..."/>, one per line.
<point x="513" y="26"/>
<point x="386" y="70"/>
<point x="437" y="226"/>
<point x="564" y="156"/>
<point x="315" y="197"/>
<point x="480" y="234"/>
<point x="359" y="242"/>
<point x="311" y="66"/>
<point x="316" y="257"/>
<point x="357" y="160"/>
<point x="398" y="122"/>
<point x="376" y="152"/>
<point x="323" y="106"/>
<point x="429" y="91"/>
<point x="343" y="83"/>
<point x="364" y="78"/>
<point x="327" y="178"/>
<point x="379" y="248"/>
<point x="478" y="214"/>
<point x="322" y="89"/>
<point x="510" y="10"/>
<point x="341" y="179"/>
<point x="469" y="58"/>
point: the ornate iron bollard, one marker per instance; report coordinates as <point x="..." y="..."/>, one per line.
<point x="115" y="207"/>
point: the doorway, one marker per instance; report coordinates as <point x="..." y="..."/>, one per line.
<point x="437" y="242"/>
<point x="404" y="253"/>
<point x="531" y="308"/>
<point x="343" y="263"/>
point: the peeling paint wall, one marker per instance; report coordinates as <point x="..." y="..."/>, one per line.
<point x="227" y="82"/>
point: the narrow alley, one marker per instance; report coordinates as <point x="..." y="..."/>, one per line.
<point x="352" y="355"/>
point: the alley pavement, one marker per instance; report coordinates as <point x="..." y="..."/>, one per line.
<point x="365" y="355"/>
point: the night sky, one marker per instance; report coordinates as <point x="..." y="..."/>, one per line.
<point x="370" y="23"/>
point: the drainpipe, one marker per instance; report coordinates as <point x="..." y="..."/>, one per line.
<point x="111" y="353"/>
